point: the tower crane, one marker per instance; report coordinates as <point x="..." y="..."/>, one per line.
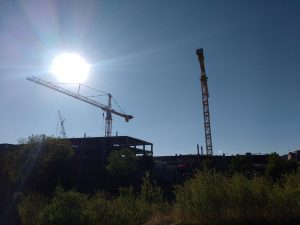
<point x="63" y="131"/>
<point x="205" y="95"/>
<point x="106" y="108"/>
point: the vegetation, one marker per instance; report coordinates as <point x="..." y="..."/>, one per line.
<point x="39" y="165"/>
<point x="213" y="198"/>
<point x="209" y="197"/>
<point x="277" y="168"/>
<point x="241" y="164"/>
<point x="73" y="208"/>
<point x="121" y="162"/>
<point x="122" y="165"/>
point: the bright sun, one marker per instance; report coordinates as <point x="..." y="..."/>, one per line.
<point x="70" y="68"/>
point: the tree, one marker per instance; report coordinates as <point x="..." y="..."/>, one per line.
<point x="121" y="162"/>
<point x="276" y="166"/>
<point x="39" y="164"/>
<point x="291" y="166"/>
<point x="241" y="164"/>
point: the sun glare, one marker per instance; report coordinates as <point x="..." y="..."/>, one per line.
<point x="70" y="68"/>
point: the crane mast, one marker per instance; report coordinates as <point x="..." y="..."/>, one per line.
<point x="205" y="96"/>
<point x="63" y="131"/>
<point x="106" y="108"/>
<point x="108" y="118"/>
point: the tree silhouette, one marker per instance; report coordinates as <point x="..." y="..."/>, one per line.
<point x="121" y="162"/>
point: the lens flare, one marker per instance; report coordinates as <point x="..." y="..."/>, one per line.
<point x="70" y="68"/>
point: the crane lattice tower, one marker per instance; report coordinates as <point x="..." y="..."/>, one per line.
<point x="205" y="96"/>
<point x="63" y="131"/>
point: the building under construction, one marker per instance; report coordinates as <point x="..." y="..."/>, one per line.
<point x="91" y="154"/>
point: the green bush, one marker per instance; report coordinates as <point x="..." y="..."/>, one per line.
<point x="30" y="208"/>
<point x="277" y="167"/>
<point x="99" y="209"/>
<point x="212" y="198"/>
<point x="150" y="193"/>
<point x="202" y="198"/>
<point x="39" y="164"/>
<point x="125" y="209"/>
<point x="65" y="208"/>
<point x="241" y="164"/>
<point x="248" y="198"/>
<point x="208" y="198"/>
<point x="128" y="208"/>
<point x="285" y="199"/>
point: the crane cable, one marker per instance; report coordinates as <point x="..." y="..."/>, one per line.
<point x="103" y="92"/>
<point x="103" y="122"/>
<point x="118" y="105"/>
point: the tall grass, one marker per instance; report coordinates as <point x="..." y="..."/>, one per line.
<point x="30" y="208"/>
<point x="207" y="198"/>
<point x="212" y="198"/>
<point x="74" y="208"/>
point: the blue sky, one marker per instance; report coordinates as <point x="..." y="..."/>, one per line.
<point x="143" y="52"/>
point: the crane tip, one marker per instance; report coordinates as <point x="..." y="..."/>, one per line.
<point x="199" y="51"/>
<point x="128" y="117"/>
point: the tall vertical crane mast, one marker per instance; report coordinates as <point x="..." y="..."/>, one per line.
<point x="205" y="96"/>
<point x="108" y="118"/>
<point x="106" y="108"/>
<point x="63" y="131"/>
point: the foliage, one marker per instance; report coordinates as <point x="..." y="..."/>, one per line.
<point x="121" y="162"/>
<point x="150" y="193"/>
<point x="208" y="164"/>
<point x="128" y="208"/>
<point x="71" y="207"/>
<point x="30" y="208"/>
<point x="39" y="164"/>
<point x="100" y="209"/>
<point x="274" y="166"/>
<point x="65" y="208"/>
<point x="207" y="198"/>
<point x="203" y="197"/>
<point x="37" y="139"/>
<point x="277" y="167"/>
<point x="241" y="164"/>
<point x="212" y="198"/>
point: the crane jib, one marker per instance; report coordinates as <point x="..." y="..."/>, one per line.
<point x="105" y="108"/>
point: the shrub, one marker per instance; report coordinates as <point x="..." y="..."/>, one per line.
<point x="211" y="198"/>
<point x="150" y="193"/>
<point x="30" y="208"/>
<point x="202" y="198"/>
<point x="38" y="164"/>
<point x="128" y="208"/>
<point x="100" y="209"/>
<point x="65" y="208"/>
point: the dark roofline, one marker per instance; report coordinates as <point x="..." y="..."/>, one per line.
<point x="131" y="139"/>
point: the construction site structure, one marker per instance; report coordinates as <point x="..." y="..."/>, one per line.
<point x="106" y="108"/>
<point x="205" y="96"/>
<point x="61" y="120"/>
